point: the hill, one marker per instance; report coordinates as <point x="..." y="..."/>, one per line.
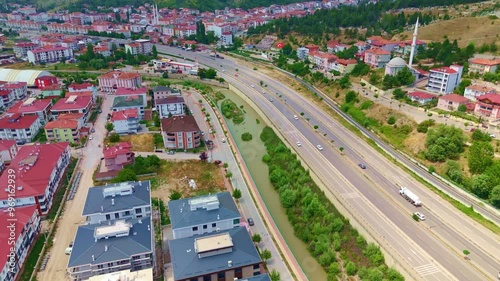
<point x="479" y="30"/>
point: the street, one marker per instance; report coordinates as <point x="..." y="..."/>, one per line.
<point x="423" y="247"/>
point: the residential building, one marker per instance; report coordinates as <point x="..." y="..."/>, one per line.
<point x="20" y="89"/>
<point x="421" y="97"/>
<point x="8" y="150"/>
<point x="228" y="255"/>
<point x="139" y="47"/>
<point x="40" y="168"/>
<point x="474" y="91"/>
<point x="377" y="58"/>
<point x="302" y="53"/>
<point x="49" y="54"/>
<point x="451" y="102"/>
<point x="72" y="104"/>
<point x="45" y="81"/>
<point x="482" y="66"/>
<point x="129" y="102"/>
<point x="180" y="132"/>
<point x="25" y="229"/>
<point x="20" y="128"/>
<point x="444" y="80"/>
<point x="36" y="107"/>
<point x="161" y="92"/>
<point x="21" y="49"/>
<point x="134" y="92"/>
<point x="63" y="130"/>
<point x="125" y="121"/>
<point x="203" y="214"/>
<point x="112" y="247"/>
<point x="170" y="106"/>
<point x="344" y="66"/>
<point x="115" y="201"/>
<point x="118" y="156"/>
<point x="112" y="80"/>
<point x="7" y="98"/>
<point x="488" y="106"/>
<point x="226" y="38"/>
<point x="83" y="88"/>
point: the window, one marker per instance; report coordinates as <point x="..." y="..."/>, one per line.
<point x="256" y="266"/>
<point x="236" y="221"/>
<point x="205" y="226"/>
<point x="117" y="215"/>
<point x="138" y="211"/>
<point x="214" y="224"/>
<point x="195" y="228"/>
<point x="108" y="217"/>
<point x="221" y="275"/>
<point x="237" y="270"/>
<point x="207" y="278"/>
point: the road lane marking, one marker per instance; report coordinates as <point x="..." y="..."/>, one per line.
<point x="350" y="195"/>
<point x="427" y="269"/>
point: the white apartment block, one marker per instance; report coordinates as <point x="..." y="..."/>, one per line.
<point x="49" y="54"/>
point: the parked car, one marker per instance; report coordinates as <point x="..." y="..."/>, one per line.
<point x="250" y="221"/>
<point x="91" y="137"/>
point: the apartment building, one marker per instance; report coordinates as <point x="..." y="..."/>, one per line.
<point x="482" y="65"/>
<point x="34" y="107"/>
<point x="125" y="121"/>
<point x="180" y="132"/>
<point x="377" y="58"/>
<point x="21" y="49"/>
<point x="488" y="106"/>
<point x="170" y="106"/>
<point x="20" y="128"/>
<point x="139" y="47"/>
<point x="72" y="104"/>
<point x="39" y="168"/>
<point x="143" y="92"/>
<point x="118" y="156"/>
<point x="203" y="214"/>
<point x="117" y="201"/>
<point x="49" y="54"/>
<point x="83" y="88"/>
<point x="473" y="91"/>
<point x="7" y="98"/>
<point x="25" y="230"/>
<point x="444" y="80"/>
<point x="63" y="130"/>
<point x="161" y="92"/>
<point x="451" y="102"/>
<point x="20" y="89"/>
<point x="112" y="80"/>
<point x="129" y="103"/>
<point x="8" y="150"/>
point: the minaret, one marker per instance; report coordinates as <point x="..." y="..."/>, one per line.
<point x="413" y="44"/>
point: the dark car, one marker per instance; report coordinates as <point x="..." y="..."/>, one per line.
<point x="362" y="166"/>
<point x="250" y="221"/>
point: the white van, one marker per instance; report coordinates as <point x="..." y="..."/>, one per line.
<point x="68" y="250"/>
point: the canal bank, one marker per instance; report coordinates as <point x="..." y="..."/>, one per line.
<point x="252" y="152"/>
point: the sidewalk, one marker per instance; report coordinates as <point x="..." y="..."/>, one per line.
<point x="242" y="180"/>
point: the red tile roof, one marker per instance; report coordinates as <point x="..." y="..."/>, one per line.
<point x="80" y="94"/>
<point x="23" y="216"/>
<point x="34" y="178"/>
<point x="5" y="92"/>
<point x="80" y="102"/>
<point x="62" y="123"/>
<point x="444" y="69"/>
<point x="492" y="98"/>
<point x="13" y="85"/>
<point x="179" y="124"/>
<point x="78" y="87"/>
<point x="16" y="121"/>
<point x="6" y="144"/>
<point x="484" y="61"/>
<point x="378" y="52"/>
<point x="169" y="100"/>
<point x="127" y="91"/>
<point x="119" y="149"/>
<point x="421" y="95"/>
<point x="454" y="98"/>
<point x="120" y="75"/>
<point x="24" y="107"/>
<point x="75" y="116"/>
<point x="124" y="114"/>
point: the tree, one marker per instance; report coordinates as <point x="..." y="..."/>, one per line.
<point x="203" y="156"/>
<point x="109" y="127"/>
<point x="453" y="171"/>
<point x="265" y="255"/>
<point x="344" y="82"/>
<point x="164" y="75"/>
<point x="462" y="108"/>
<point x="481" y="186"/>
<point x="351" y="96"/>
<point x="287" y="49"/>
<point x="460" y="89"/>
<point x="444" y="142"/>
<point x="125" y="174"/>
<point x="341" y="149"/>
<point x="114" y="137"/>
<point x="274" y="275"/>
<point x="256" y="238"/>
<point x="480" y="156"/>
<point x="237" y="194"/>
<point x="154" y="52"/>
<point x="398" y="94"/>
<point x="288" y="198"/>
<point x="360" y="69"/>
<point x="175" y="195"/>
<point x="478" y="135"/>
<point x="495" y="196"/>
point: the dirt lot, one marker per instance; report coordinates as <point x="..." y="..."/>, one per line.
<point x="209" y="178"/>
<point x="140" y="142"/>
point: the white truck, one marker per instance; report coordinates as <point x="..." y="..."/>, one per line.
<point x="410" y="196"/>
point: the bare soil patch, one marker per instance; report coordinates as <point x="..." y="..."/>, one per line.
<point x="140" y="142"/>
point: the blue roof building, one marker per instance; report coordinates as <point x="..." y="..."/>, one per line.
<point x="215" y="256"/>
<point x="204" y="214"/>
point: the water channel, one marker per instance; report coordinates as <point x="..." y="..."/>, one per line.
<point x="252" y="152"/>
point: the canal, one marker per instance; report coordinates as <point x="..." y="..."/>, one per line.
<point x="252" y="152"/>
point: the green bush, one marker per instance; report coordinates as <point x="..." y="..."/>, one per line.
<point x="391" y="120"/>
<point x="246" y="136"/>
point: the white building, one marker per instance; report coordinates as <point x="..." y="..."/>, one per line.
<point x="226" y="38"/>
<point x="20" y="128"/>
<point x="302" y="52"/>
<point x="204" y="214"/>
<point x="170" y="106"/>
<point x="474" y="91"/>
<point x="139" y="47"/>
<point x="49" y="54"/>
<point x="444" y="80"/>
<point x="125" y="121"/>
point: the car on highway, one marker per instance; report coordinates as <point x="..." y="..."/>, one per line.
<point x="91" y="137"/>
<point x="223" y="140"/>
<point x="320" y="148"/>
<point x="296" y="117"/>
<point x="362" y="166"/>
<point x="253" y="86"/>
<point x="420" y="216"/>
<point x="250" y="221"/>
<point x="271" y="100"/>
<point x="298" y="144"/>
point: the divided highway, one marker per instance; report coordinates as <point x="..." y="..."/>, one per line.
<point x="431" y="248"/>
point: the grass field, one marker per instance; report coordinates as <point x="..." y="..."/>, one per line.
<point x="464" y="29"/>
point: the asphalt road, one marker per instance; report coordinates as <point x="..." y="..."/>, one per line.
<point x="433" y="248"/>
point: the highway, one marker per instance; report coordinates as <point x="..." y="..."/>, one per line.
<point x="432" y="248"/>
